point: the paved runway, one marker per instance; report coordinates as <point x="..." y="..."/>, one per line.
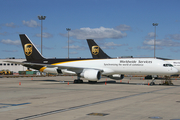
<point x="51" y="98"/>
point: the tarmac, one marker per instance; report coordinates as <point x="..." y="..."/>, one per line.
<point x="58" y="98"/>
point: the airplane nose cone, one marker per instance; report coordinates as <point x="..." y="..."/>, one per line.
<point x="174" y="70"/>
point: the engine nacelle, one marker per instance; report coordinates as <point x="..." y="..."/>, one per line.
<point x="52" y="70"/>
<point x="116" y="76"/>
<point x="92" y="75"/>
<point x="65" y="71"/>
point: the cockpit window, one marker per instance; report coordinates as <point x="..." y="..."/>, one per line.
<point x="167" y="65"/>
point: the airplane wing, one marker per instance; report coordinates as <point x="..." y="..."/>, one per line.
<point x="25" y="63"/>
<point x="72" y="68"/>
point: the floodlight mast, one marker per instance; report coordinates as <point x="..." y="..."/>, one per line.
<point x="155" y="24"/>
<point x="41" y="18"/>
<point x="68" y="29"/>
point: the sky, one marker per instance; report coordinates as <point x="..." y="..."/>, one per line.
<point x="119" y="27"/>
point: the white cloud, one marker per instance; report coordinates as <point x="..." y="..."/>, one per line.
<point x="75" y="47"/>
<point x="175" y="36"/>
<point x="31" y="23"/>
<point x="111" y="45"/>
<point x="44" y="35"/>
<point x="151" y="42"/>
<point x="44" y="47"/>
<point x="47" y="35"/>
<point x="96" y="33"/>
<point x="10" y="42"/>
<point x="123" y="27"/>
<point x="160" y="44"/>
<point x="151" y="34"/>
<point x="146" y="47"/>
<point x="150" y="47"/>
<point x="167" y="43"/>
<point x="10" y="25"/>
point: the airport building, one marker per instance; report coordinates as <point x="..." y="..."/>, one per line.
<point x="12" y="66"/>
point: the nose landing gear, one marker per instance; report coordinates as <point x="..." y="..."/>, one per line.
<point x="168" y="81"/>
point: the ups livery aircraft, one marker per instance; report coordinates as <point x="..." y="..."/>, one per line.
<point x="92" y="44"/>
<point x="92" y="68"/>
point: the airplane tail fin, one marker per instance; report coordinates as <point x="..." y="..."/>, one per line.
<point x="96" y="51"/>
<point x="30" y="51"/>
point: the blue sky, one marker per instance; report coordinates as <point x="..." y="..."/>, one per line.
<point x="120" y="27"/>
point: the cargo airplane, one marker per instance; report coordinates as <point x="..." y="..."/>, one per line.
<point x="98" y="53"/>
<point x="101" y="55"/>
<point x="92" y="69"/>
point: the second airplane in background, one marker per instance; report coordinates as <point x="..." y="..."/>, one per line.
<point x="98" y="53"/>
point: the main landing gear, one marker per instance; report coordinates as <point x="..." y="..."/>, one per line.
<point x="78" y="80"/>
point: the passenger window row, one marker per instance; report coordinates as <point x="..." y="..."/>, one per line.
<point x="8" y="64"/>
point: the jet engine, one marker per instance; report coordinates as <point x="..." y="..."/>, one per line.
<point x="116" y="76"/>
<point x="65" y="71"/>
<point x="52" y="70"/>
<point x="92" y="75"/>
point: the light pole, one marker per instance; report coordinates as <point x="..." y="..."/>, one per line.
<point x="68" y="29"/>
<point x="41" y="18"/>
<point x="155" y="24"/>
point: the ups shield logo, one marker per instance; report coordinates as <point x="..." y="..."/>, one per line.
<point x="95" y="50"/>
<point x="28" y="49"/>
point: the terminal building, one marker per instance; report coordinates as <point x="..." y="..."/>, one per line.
<point x="15" y="68"/>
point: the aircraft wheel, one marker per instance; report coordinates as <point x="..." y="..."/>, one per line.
<point x="78" y="81"/>
<point x="75" y="81"/>
<point x="81" y="81"/>
<point x="92" y="81"/>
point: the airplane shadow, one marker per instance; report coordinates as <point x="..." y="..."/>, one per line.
<point x="97" y="83"/>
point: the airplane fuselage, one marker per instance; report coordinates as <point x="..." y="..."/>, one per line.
<point x="123" y="66"/>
